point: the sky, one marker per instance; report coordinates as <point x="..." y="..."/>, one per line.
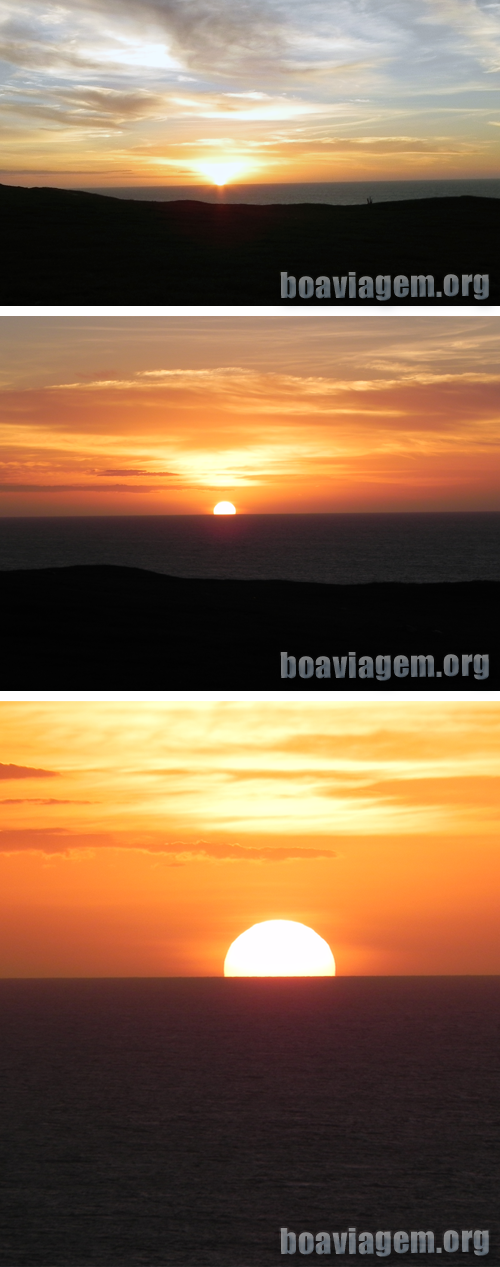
<point x="175" y="92"/>
<point x="148" y="416"/>
<point x="140" y="838"/>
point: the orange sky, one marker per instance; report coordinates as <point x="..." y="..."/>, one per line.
<point x="141" y="838"/>
<point x="168" y="415"/>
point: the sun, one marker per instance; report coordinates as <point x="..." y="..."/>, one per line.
<point x="220" y="171"/>
<point x="224" y="508"/>
<point x="279" y="948"/>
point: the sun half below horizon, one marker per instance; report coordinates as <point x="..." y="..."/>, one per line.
<point x="279" y="948"/>
<point x="224" y="508"/>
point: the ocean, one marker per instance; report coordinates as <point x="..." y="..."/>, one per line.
<point x="183" y="1122"/>
<point x="338" y="193"/>
<point x="327" y="548"/>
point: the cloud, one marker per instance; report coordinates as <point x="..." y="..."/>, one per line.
<point x="245" y="381"/>
<point x="25" y="772"/>
<point x="372" y="749"/>
<point x="79" y="488"/>
<point x="201" y="851"/>
<point x="132" y="471"/>
<point x="40" y="800"/>
<point x="212" y="36"/>
<point x="217" y="377"/>
<point x="47" y="840"/>
<point x="59" y="840"/>
<point x="95" y="107"/>
<point x="442" y="146"/>
<point x="477" y="23"/>
<point x="218" y="39"/>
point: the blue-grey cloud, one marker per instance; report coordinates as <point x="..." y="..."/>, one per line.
<point x="423" y="49"/>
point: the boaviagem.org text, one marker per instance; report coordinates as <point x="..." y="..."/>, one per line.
<point x="382" y="1243"/>
<point x="384" y="287"/>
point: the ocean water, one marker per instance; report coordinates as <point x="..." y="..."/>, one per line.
<point x="341" y="549"/>
<point x="338" y="193"/>
<point x="182" y="1122"/>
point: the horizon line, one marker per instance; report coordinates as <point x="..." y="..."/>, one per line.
<point x="373" y="976"/>
<point x="255" y="514"/>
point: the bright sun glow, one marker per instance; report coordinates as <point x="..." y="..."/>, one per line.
<point x="224" y="508"/>
<point x="220" y="171"/>
<point x="279" y="948"/>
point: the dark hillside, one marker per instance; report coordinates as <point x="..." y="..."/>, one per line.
<point x="116" y="628"/>
<point x="67" y="247"/>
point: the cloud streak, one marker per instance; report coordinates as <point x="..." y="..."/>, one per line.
<point x="203" y="851"/>
<point x="25" y="772"/>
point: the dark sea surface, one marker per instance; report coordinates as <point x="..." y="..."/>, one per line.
<point x="342" y="549"/>
<point x="184" y="1121"/>
<point x="337" y="193"/>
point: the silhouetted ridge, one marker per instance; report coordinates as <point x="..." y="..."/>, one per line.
<point x="115" y="628"/>
<point x="68" y="246"/>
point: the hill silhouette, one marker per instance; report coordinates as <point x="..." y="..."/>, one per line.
<point x="69" y="247"/>
<point x="118" y="628"/>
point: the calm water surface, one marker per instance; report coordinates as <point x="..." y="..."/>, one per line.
<point x="185" y="1121"/>
<point x="337" y="193"/>
<point x="345" y="549"/>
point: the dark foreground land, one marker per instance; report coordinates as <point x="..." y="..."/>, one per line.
<point x="115" y="628"/>
<point x="67" y="247"/>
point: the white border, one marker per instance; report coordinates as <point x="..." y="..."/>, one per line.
<point x="245" y="310"/>
<point x="247" y="697"/>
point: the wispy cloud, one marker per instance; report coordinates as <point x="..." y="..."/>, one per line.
<point x="124" y="87"/>
<point x="40" y="800"/>
<point x="203" y="851"/>
<point x="25" y="772"/>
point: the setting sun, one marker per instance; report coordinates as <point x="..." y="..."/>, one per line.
<point x="279" y="948"/>
<point x="220" y="171"/>
<point x="224" y="508"/>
